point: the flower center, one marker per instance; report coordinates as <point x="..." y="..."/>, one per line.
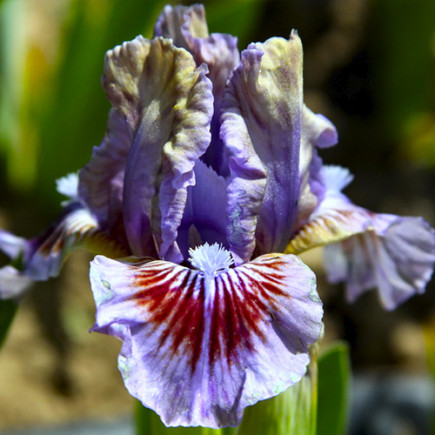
<point x="210" y="259"/>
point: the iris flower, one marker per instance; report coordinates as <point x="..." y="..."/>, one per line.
<point x="207" y="183"/>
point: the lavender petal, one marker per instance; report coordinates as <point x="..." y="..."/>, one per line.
<point x="199" y="350"/>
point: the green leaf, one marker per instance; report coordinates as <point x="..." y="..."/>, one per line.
<point x="149" y="423"/>
<point x="403" y="66"/>
<point x="290" y="413"/>
<point x="8" y="308"/>
<point x="334" y="371"/>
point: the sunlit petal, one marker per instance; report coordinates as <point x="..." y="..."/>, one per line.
<point x="394" y="254"/>
<point x="41" y="257"/>
<point x="167" y="105"/>
<point x="335" y="218"/>
<point x="187" y="27"/>
<point x="198" y="348"/>
<point x="261" y="128"/>
<point x="397" y="256"/>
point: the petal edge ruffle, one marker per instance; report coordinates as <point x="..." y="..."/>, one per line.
<point x="198" y="350"/>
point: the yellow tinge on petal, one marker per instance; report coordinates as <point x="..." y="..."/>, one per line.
<point x="331" y="227"/>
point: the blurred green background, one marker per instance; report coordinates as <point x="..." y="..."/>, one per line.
<point x="369" y="67"/>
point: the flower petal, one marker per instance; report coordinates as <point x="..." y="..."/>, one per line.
<point x="42" y="256"/>
<point x="68" y="186"/>
<point x="101" y="180"/>
<point x="204" y="220"/>
<point x="335" y="218"/>
<point x="13" y="283"/>
<point x="397" y="255"/>
<point x="167" y="105"/>
<point x="11" y="245"/>
<point x="199" y="349"/>
<point x="392" y="253"/>
<point x="187" y="27"/>
<point x="317" y="132"/>
<point x="261" y="128"/>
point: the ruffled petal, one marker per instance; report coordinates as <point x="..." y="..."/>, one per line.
<point x="167" y="104"/>
<point x="41" y="257"/>
<point x="187" y="27"/>
<point x="392" y="253"/>
<point x="101" y="181"/>
<point x="197" y="348"/>
<point x="397" y="256"/>
<point x="204" y="219"/>
<point x="261" y="128"/>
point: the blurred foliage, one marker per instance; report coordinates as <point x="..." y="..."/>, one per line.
<point x="405" y="61"/>
<point x="8" y="308"/>
<point x="334" y="374"/>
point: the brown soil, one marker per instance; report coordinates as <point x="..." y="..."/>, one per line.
<point x="52" y="373"/>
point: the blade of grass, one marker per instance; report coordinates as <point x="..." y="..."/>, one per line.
<point x="334" y="372"/>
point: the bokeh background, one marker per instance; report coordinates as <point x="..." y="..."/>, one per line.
<point x="369" y="66"/>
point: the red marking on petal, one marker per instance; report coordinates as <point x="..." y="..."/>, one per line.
<point x="180" y="308"/>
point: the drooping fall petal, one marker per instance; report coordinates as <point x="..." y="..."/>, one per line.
<point x="394" y="254"/>
<point x="198" y="347"/>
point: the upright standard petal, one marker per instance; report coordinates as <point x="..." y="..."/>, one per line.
<point x="198" y="347"/>
<point x="167" y="104"/>
<point x="395" y="254"/>
<point x="187" y="27"/>
<point x="261" y="128"/>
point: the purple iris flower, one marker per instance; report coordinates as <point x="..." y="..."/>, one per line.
<point x="206" y="185"/>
